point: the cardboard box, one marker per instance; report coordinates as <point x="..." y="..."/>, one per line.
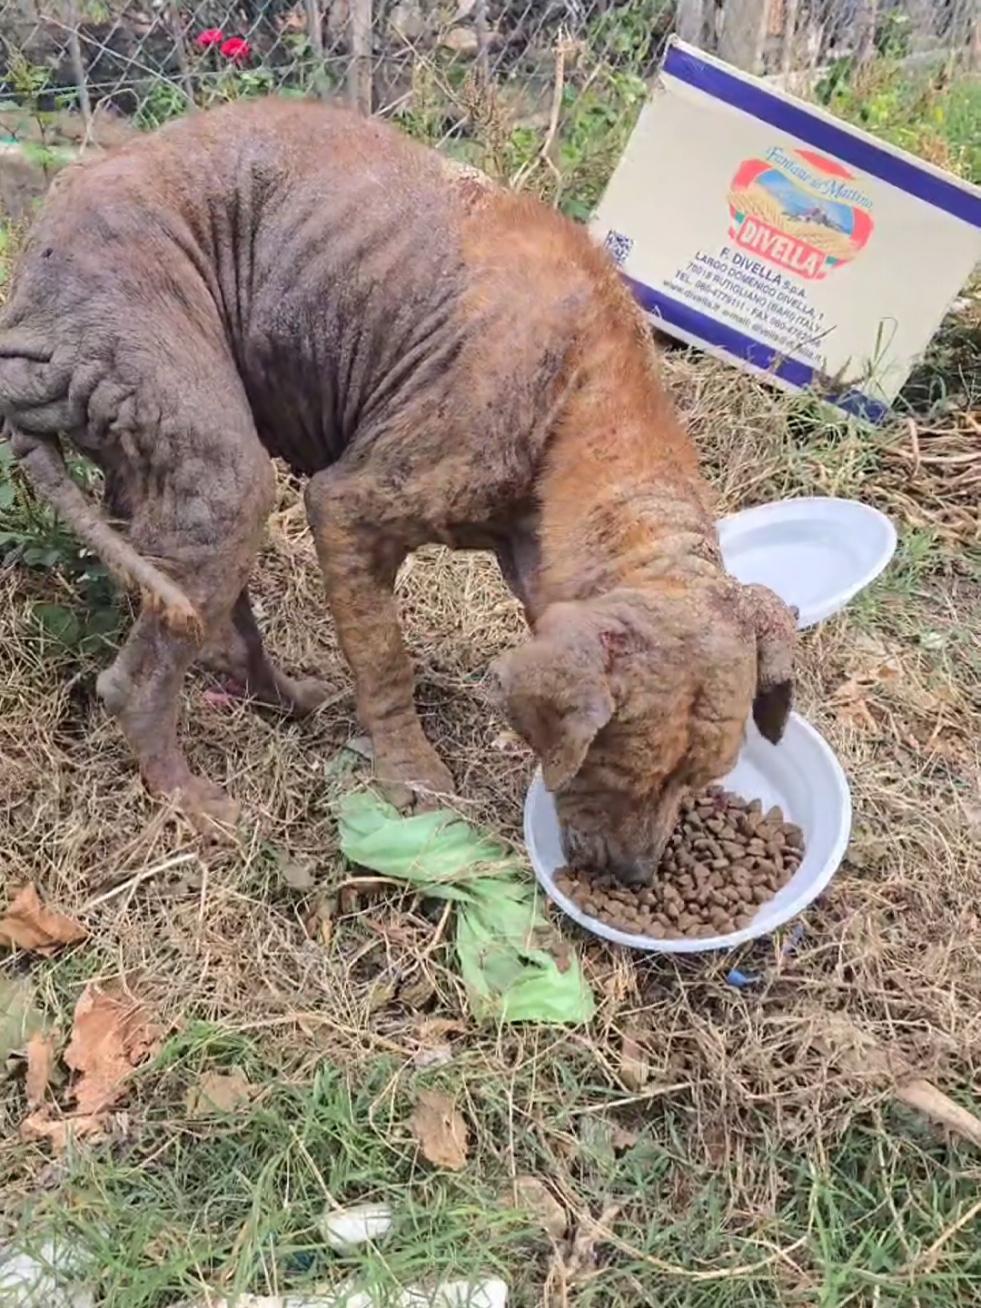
<point x="765" y="231"/>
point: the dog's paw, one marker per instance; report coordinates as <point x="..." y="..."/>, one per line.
<point x="414" y="785"/>
<point x="211" y="812"/>
<point x="299" y="698"/>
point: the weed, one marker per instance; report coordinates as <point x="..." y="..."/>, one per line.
<point x="32" y="535"/>
<point x="596" y="126"/>
<point x="162" y="102"/>
<point x="931" y="114"/>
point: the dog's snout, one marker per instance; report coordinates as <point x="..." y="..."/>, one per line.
<point x="601" y="852"/>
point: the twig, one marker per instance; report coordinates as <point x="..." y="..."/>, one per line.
<point x="138" y="879"/>
<point x="182" y="62"/>
<point x="926" y="1260"/>
<point x="709" y="1274"/>
<point x="584" y="1243"/>
<point x="656" y="1093"/>
<point x="323" y="1019"/>
<point x="438" y="933"/>
<point x="480" y="29"/>
<point x="933" y="1103"/>
<point x="558" y="88"/>
<point x="914" y="440"/>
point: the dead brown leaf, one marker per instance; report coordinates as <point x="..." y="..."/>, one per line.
<point x="112" y="1034"/>
<point x="27" y="924"/>
<point x="852" y="708"/>
<point x="635" y="1070"/>
<point x="440" y="1130"/>
<point x="851" y="699"/>
<point x="59" y="1132"/>
<point x="862" y="1056"/>
<point x="435" y="1028"/>
<point x="623" y="1138"/>
<point x="580" y="1258"/>
<point x="436" y="1056"/>
<point x="219" y="1092"/>
<point x="972" y="816"/>
<point x="417" y="992"/>
<point x="40" y="1065"/>
<point x="889" y="670"/>
<point x="319" y="923"/>
<point x="534" y="1196"/>
<point x="297" y="873"/>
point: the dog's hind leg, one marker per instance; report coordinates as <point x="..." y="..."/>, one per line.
<point x="201" y="487"/>
<point x="237" y="650"/>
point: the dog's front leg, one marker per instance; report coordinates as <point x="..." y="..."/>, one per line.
<point x="360" y="549"/>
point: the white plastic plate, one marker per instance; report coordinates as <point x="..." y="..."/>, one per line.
<point x="801" y="774"/>
<point x="816" y="553"/>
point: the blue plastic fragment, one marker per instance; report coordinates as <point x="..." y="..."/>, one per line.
<point x="741" y="979"/>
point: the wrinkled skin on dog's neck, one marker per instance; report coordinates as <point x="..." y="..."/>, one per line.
<point x="647" y="658"/>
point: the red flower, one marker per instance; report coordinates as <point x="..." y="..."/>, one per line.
<point x="211" y="36"/>
<point x="237" y="49"/>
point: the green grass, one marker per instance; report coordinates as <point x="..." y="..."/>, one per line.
<point x="934" y="114"/>
<point x="235" y="1201"/>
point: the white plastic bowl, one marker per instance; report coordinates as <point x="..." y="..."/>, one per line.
<point x="801" y="774"/>
<point x="815" y="553"/>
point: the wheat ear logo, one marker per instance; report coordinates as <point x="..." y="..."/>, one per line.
<point x="802" y="211"/>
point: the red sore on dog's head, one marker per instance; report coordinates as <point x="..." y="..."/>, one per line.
<point x="633" y="698"/>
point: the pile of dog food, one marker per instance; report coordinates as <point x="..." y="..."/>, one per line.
<point x="725" y="858"/>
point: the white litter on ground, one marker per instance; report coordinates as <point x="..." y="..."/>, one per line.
<point x="38" y="1282"/>
<point x="491" y="1293"/>
<point x="345" y="1228"/>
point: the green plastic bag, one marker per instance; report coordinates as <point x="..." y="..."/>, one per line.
<point x="515" y="965"/>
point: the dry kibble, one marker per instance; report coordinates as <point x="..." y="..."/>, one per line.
<point x="724" y="859"/>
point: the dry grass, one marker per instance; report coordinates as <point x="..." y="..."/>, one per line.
<point x="739" y="1081"/>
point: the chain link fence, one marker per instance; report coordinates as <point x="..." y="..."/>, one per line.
<point x="525" y="77"/>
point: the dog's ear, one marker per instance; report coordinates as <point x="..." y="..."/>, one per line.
<point x="554" y="692"/>
<point x="775" y="627"/>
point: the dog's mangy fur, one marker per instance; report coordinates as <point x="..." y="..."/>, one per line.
<point x="446" y="362"/>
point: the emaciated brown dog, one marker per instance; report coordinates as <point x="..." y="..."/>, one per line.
<point x="446" y="362"/>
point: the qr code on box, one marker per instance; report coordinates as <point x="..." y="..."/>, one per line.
<point x="619" y="246"/>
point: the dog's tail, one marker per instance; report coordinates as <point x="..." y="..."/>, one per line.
<point x="41" y="459"/>
<point x="37" y="402"/>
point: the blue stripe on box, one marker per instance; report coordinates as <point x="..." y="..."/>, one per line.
<point x="815" y="130"/>
<point x="746" y="348"/>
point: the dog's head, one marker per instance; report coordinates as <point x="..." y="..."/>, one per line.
<point x="633" y="698"/>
